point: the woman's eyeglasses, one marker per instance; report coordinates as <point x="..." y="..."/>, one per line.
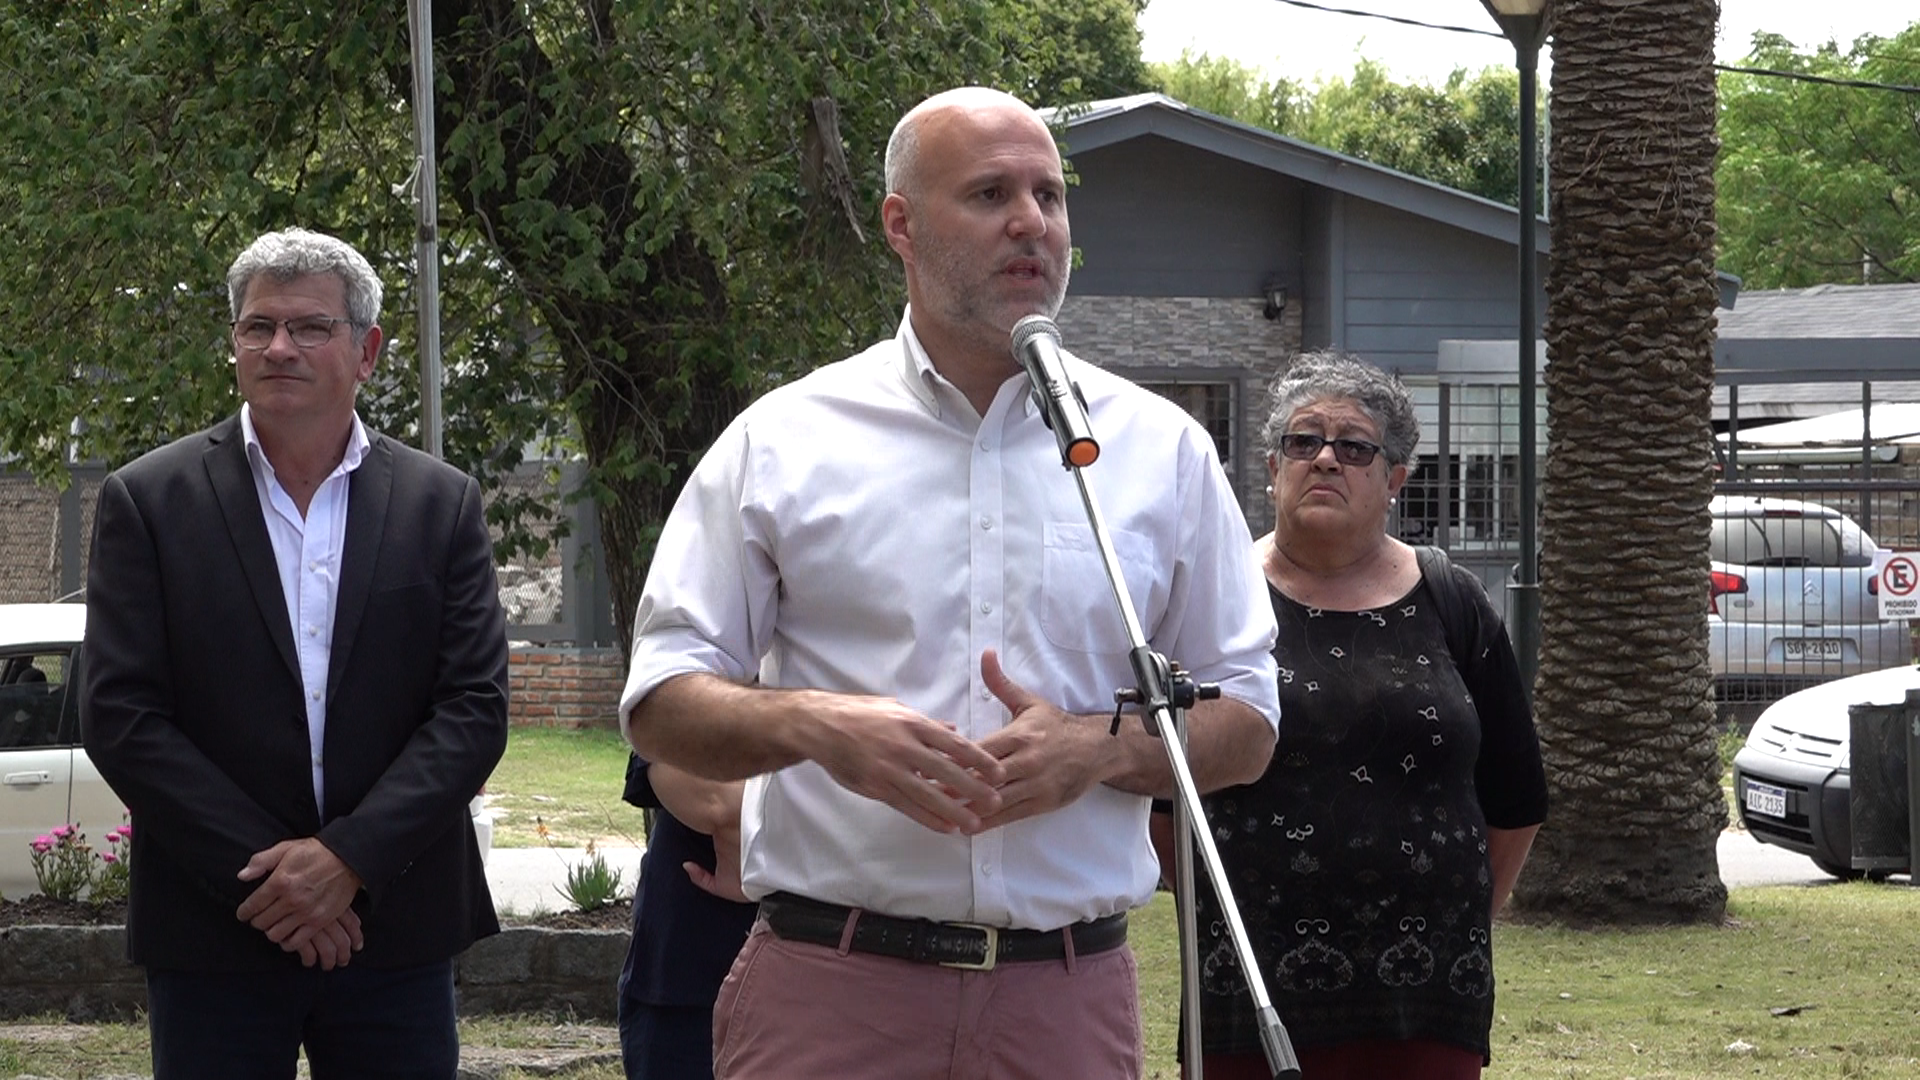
<point x="1303" y="447"/>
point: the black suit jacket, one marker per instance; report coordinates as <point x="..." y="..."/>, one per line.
<point x="192" y="709"/>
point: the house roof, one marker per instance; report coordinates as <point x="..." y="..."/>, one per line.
<point x="1103" y="123"/>
<point x="1849" y="311"/>
<point x="1838" y="333"/>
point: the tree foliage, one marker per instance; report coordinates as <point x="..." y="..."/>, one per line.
<point x="1080" y="50"/>
<point x="1226" y="87"/>
<point x="1463" y="133"/>
<point x="650" y="210"/>
<point x="1821" y="183"/>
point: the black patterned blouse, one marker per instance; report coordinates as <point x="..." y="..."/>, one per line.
<point x="1359" y="861"/>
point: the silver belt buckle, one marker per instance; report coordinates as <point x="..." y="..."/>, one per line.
<point x="993" y="949"/>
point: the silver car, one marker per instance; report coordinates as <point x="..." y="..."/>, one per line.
<point x="1794" y="779"/>
<point x="48" y="781"/>
<point x="1793" y="600"/>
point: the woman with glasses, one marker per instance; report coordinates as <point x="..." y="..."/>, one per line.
<point x="1406" y="786"/>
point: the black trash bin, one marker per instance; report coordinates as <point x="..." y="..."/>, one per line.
<point x="1883" y="805"/>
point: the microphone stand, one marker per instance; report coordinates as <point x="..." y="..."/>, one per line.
<point x="1163" y="693"/>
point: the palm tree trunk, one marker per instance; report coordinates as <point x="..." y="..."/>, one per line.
<point x="1623" y="695"/>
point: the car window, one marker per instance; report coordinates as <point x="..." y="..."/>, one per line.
<point x="1790" y="538"/>
<point x="33" y="700"/>
<point x="1737" y="540"/>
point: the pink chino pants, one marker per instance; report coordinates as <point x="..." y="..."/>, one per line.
<point x="792" y="1011"/>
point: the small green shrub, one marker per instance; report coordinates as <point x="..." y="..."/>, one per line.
<point x="591" y="883"/>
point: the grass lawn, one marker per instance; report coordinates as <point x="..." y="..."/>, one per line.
<point x="566" y="780"/>
<point x="1807" y="983"/>
<point x="1802" y="982"/>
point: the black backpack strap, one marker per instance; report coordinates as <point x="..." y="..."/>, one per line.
<point x="1453" y="608"/>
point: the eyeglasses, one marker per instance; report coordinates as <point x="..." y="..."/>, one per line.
<point x="1303" y="447"/>
<point x="308" y="331"/>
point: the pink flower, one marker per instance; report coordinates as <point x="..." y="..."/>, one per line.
<point x="109" y="857"/>
<point x="41" y="845"/>
<point x="61" y="832"/>
<point x="113" y="836"/>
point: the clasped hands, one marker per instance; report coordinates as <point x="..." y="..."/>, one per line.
<point x="1043" y="759"/>
<point x="304" y="902"/>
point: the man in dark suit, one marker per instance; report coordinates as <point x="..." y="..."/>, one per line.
<point x="295" y="673"/>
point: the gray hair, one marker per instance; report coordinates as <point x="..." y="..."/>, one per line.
<point x="903" y="147"/>
<point x="296" y="253"/>
<point x="1332" y="375"/>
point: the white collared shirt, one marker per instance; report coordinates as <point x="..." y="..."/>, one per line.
<point x="307" y="551"/>
<point x="861" y="530"/>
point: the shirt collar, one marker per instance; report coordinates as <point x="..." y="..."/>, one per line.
<point x="357" y="444"/>
<point x="916" y="367"/>
<point x="924" y="381"/>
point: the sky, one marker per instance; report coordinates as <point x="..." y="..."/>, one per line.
<point x="1283" y="40"/>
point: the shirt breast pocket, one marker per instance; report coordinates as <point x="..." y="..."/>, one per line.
<point x="1077" y="609"/>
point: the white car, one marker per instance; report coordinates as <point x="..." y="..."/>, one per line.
<point x="46" y="779"/>
<point x="1793" y="599"/>
<point x="1793" y="778"/>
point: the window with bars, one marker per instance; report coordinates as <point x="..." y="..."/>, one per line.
<point x="1211" y="403"/>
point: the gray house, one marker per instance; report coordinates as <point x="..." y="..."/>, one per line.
<point x="1212" y="251"/>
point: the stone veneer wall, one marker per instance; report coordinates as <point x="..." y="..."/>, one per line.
<point x="1199" y="338"/>
<point x="82" y="973"/>
<point x="563" y="686"/>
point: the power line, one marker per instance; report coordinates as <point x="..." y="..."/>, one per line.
<point x="1395" y="19"/>
<point x="1825" y="80"/>
<point x="1858" y="84"/>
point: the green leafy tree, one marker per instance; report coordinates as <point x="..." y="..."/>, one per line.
<point x="1821" y="183"/>
<point x="1226" y="87"/>
<point x="650" y="210"/>
<point x="1463" y="133"/>
<point x="1079" y="50"/>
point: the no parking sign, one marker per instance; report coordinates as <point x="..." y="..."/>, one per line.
<point x="1899" y="573"/>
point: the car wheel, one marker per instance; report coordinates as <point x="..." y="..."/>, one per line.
<point x="1844" y="873"/>
<point x="1850" y="874"/>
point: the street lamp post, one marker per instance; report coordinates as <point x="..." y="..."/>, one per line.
<point x="1525" y="23"/>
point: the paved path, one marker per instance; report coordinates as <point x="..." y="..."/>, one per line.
<point x="1746" y="861"/>
<point x="528" y="880"/>
<point x="525" y="881"/>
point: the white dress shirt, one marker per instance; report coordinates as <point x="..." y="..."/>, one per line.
<point x="307" y="551"/>
<point x="861" y="530"/>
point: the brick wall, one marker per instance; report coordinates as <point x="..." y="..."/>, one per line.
<point x="562" y="686"/>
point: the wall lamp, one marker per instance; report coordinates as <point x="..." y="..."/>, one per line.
<point x="1275" y="295"/>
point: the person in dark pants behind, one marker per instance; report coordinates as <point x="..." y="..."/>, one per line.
<point x="296" y="679"/>
<point x="687" y="927"/>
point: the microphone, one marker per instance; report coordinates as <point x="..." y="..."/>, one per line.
<point x="1036" y="345"/>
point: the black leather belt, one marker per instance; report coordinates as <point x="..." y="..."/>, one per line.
<point x="956" y="945"/>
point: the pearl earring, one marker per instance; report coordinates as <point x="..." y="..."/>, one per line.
<point x="1269" y="491"/>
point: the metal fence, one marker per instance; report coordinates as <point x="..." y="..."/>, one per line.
<point x="1795" y="519"/>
